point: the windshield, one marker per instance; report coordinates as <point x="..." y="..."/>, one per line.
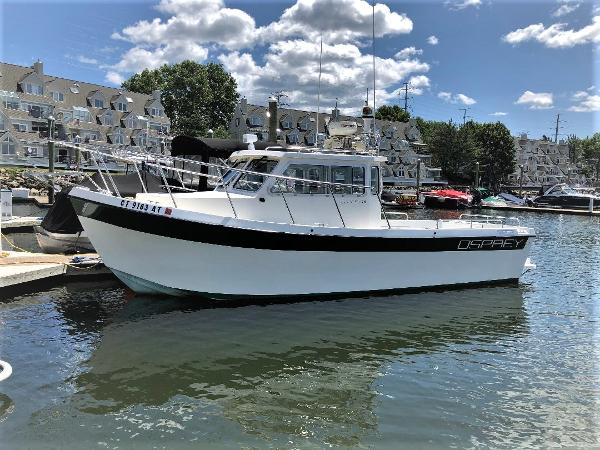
<point x="252" y="182"/>
<point x="230" y="174"/>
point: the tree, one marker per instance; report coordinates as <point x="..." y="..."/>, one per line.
<point x="196" y="97"/>
<point x="496" y="152"/>
<point x="393" y="113"/>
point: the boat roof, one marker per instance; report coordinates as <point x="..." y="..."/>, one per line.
<point x="308" y="153"/>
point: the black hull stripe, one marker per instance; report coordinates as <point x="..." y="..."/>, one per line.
<point x="268" y="240"/>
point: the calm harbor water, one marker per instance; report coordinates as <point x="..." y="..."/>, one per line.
<point x="501" y="367"/>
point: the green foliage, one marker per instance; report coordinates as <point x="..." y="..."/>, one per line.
<point x="456" y="149"/>
<point x="496" y="152"/>
<point x="196" y="97"/>
<point x="394" y="113"/>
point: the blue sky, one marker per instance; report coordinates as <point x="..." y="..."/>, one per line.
<point x="525" y="62"/>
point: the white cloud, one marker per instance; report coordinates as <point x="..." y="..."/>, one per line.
<point x="86" y="60"/>
<point x="138" y="58"/>
<point x="462" y="98"/>
<point x="408" y="52"/>
<point x="287" y="49"/>
<point x="565" y="8"/>
<point x="448" y="97"/>
<point x="336" y="20"/>
<point x="114" y="78"/>
<point x="418" y="83"/>
<point x="198" y="21"/>
<point x="586" y="102"/>
<point x="344" y="68"/>
<point x="556" y="36"/>
<point x="462" y="4"/>
<point x="540" y="100"/>
<point x="499" y="113"/>
<point x="432" y="40"/>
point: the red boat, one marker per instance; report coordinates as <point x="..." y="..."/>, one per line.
<point x="447" y="199"/>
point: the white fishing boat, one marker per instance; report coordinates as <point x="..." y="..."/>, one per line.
<point x="291" y="222"/>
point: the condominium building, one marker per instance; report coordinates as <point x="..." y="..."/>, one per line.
<point x="544" y="162"/>
<point x="400" y="142"/>
<point x="109" y="118"/>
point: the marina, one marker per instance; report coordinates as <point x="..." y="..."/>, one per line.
<point x="349" y="225"/>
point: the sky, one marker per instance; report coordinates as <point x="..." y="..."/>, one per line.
<point x="519" y="62"/>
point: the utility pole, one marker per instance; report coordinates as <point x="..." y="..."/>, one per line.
<point x="278" y="95"/>
<point x="556" y="130"/>
<point x="405" y="97"/>
<point x="464" y="110"/>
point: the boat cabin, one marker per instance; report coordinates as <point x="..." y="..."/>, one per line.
<point x="298" y="186"/>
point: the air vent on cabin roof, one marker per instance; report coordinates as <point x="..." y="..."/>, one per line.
<point x="74" y="89"/>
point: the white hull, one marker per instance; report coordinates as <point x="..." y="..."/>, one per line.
<point x="153" y="264"/>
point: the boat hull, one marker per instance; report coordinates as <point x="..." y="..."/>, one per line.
<point x="156" y="254"/>
<point x="62" y="243"/>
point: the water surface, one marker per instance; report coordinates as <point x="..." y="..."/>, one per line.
<point x="502" y="367"/>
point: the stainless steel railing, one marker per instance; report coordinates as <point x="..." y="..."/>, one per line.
<point x="163" y="163"/>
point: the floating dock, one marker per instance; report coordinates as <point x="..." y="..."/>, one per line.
<point x="21" y="270"/>
<point x="577" y="212"/>
<point x="20" y="224"/>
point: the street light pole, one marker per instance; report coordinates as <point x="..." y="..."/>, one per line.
<point x="521" y="181"/>
<point x="476" y="174"/>
<point x="51" y="158"/>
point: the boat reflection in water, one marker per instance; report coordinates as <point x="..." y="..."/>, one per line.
<point x="306" y="369"/>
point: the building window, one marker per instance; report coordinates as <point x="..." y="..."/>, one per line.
<point x="98" y="103"/>
<point x="58" y="96"/>
<point x="107" y="119"/>
<point x="293" y="138"/>
<point x="2" y="123"/>
<point x="286" y="123"/>
<point x="10" y="100"/>
<point x="81" y="114"/>
<point x="118" y="138"/>
<point x="256" y="121"/>
<point x="8" y="147"/>
<point x="121" y="106"/>
<point x="20" y="126"/>
<point x="34" y="89"/>
<point x="157" y="112"/>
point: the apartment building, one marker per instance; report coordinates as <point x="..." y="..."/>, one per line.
<point x="543" y="163"/>
<point x="400" y="142"/>
<point x="110" y="118"/>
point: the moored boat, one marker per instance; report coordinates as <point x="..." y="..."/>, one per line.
<point x="447" y="199"/>
<point x="288" y="222"/>
<point x="563" y="196"/>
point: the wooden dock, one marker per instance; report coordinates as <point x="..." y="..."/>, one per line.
<point x="577" y="212"/>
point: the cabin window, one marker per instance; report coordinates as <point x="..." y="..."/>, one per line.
<point x="375" y="180"/>
<point x="303" y="172"/>
<point x="252" y="182"/>
<point x="231" y="174"/>
<point x="348" y="175"/>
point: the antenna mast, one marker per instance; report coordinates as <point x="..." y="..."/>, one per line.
<point x="319" y="92"/>
<point x="373" y="68"/>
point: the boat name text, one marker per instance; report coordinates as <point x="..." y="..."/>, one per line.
<point x="491" y="244"/>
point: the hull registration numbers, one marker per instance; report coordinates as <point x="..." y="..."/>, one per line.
<point x="145" y="207"/>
